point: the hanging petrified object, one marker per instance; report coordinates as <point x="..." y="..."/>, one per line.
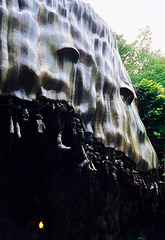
<point x="25" y="115"/>
<point x="60" y="145"/>
<point x="59" y="61"/>
<point x="11" y="125"/>
<point x="40" y="125"/>
<point x="18" y="130"/>
<point x="73" y="57"/>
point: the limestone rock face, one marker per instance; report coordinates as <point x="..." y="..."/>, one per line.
<point x="63" y="50"/>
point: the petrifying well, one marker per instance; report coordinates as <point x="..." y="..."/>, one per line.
<point x="62" y="50"/>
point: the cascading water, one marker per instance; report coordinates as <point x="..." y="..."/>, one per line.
<point x="71" y="139"/>
<point x="43" y="43"/>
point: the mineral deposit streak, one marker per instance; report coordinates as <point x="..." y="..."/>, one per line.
<point x="63" y="50"/>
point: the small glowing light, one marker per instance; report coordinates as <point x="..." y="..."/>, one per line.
<point x="41" y="224"/>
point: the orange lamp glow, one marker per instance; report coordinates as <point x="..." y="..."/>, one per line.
<point x="41" y="224"/>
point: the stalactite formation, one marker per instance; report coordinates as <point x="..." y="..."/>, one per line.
<point x="57" y="173"/>
<point x="62" y="50"/>
<point x="75" y="159"/>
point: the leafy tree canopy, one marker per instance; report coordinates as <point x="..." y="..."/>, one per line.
<point x="147" y="71"/>
<point x="151" y="102"/>
<point x="139" y="60"/>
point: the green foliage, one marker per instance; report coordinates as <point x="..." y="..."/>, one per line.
<point x="139" y="60"/>
<point x="153" y="68"/>
<point x="151" y="102"/>
<point x="147" y="71"/>
<point x="128" y="55"/>
<point x="144" y="39"/>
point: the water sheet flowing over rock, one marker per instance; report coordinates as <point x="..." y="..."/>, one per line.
<point x="74" y="153"/>
<point x="63" y="50"/>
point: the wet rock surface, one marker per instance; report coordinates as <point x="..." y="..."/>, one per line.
<point x="63" y="50"/>
<point x="74" y="154"/>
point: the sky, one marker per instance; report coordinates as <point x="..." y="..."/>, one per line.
<point x="128" y="16"/>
